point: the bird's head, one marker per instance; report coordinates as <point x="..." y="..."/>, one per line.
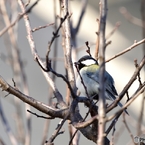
<point x="86" y="61"/>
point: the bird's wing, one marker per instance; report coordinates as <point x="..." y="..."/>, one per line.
<point x="109" y="83"/>
<point x="94" y="77"/>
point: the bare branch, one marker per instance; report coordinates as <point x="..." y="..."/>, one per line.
<point x="27" y="3"/>
<point x="60" y="113"/>
<point x="131" y="18"/>
<point x="74" y="31"/>
<point x="127" y="49"/>
<point x="139" y="78"/>
<point x="68" y="47"/>
<point x="102" y="42"/>
<point x="55" y="35"/>
<point x="98" y="33"/>
<point x="40" y="116"/>
<point x="128" y="103"/>
<point x="41" y="27"/>
<point x="82" y="81"/>
<point x="18" y="18"/>
<point x="37" y="58"/>
<point x="117" y="25"/>
<point x="56" y="132"/>
<point x="140" y="118"/>
<point x="132" y="79"/>
<point x="142" y="7"/>
<point x="12" y="138"/>
<point x="112" y="124"/>
<point x="19" y="74"/>
<point x="127" y="127"/>
<point x="80" y="125"/>
<point x="58" y="75"/>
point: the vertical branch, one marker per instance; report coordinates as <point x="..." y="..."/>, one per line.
<point x="143" y="21"/>
<point x="17" y="66"/>
<point x="74" y="134"/>
<point x="97" y="33"/>
<point x="102" y="110"/>
<point x="47" y="122"/>
<point x="140" y="119"/>
<point x="67" y="41"/>
<point x="143" y="29"/>
<point x="9" y="132"/>
<point x="68" y="52"/>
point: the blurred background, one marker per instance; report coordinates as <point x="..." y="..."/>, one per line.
<point x="121" y="68"/>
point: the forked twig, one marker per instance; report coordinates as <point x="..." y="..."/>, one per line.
<point x="56" y="132"/>
<point x="55" y="35"/>
<point x="58" y="75"/>
<point x="20" y="16"/>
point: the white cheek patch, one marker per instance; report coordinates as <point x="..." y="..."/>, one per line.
<point x="89" y="62"/>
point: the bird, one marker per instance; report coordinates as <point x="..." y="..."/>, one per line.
<point x="87" y="80"/>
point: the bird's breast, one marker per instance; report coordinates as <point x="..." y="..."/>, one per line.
<point x="86" y="84"/>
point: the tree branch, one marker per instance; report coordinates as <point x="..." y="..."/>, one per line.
<point x="60" y="113"/>
<point x="127" y="49"/>
<point x="132" y="79"/>
<point x="37" y="58"/>
<point x="102" y="42"/>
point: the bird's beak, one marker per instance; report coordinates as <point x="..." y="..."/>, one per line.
<point x="76" y="63"/>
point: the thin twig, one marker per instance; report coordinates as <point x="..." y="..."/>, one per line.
<point x="139" y="78"/>
<point x="127" y="86"/>
<point x="18" y="18"/>
<point x="113" y="132"/>
<point x="117" y="25"/>
<point x="98" y="33"/>
<point x="131" y="18"/>
<point x="84" y="5"/>
<point x="41" y="27"/>
<point x="142" y="8"/>
<point x="74" y="134"/>
<point x="55" y="35"/>
<point x="58" y="75"/>
<point x="56" y="132"/>
<point x="31" y="101"/>
<point x="127" y="104"/>
<point x="27" y="3"/>
<point x="68" y="47"/>
<point x="107" y="43"/>
<point x="40" y="116"/>
<point x="37" y="58"/>
<point x="83" y="124"/>
<point x="82" y="81"/>
<point x="47" y="122"/>
<point x="127" y="127"/>
<point x="127" y="49"/>
<point x="117" y="114"/>
<point x="140" y="118"/>
<point x="18" y="74"/>
<point x="12" y="138"/>
<point x="112" y="124"/>
<point x="88" y="50"/>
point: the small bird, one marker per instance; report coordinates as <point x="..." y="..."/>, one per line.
<point x="89" y="84"/>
